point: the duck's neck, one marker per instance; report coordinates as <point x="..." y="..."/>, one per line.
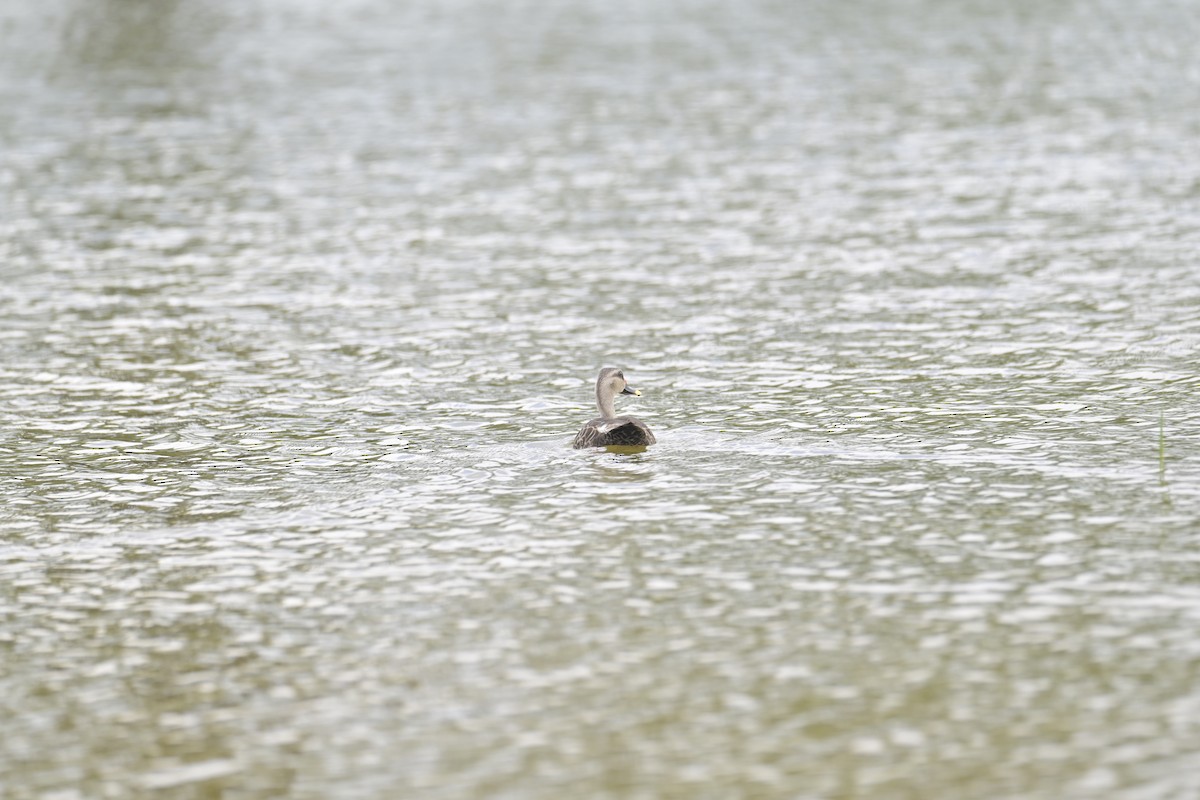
<point x="604" y="401"/>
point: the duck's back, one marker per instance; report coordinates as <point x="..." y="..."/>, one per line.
<point x="619" y="431"/>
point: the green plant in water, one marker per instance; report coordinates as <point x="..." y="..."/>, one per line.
<point x="1162" y="447"/>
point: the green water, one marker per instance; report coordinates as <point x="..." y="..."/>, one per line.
<point x="303" y="303"/>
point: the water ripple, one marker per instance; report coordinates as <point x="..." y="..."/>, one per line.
<point x="287" y="399"/>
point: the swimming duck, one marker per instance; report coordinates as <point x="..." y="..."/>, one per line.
<point x="609" y="429"/>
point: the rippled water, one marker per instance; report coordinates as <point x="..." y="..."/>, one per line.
<point x="302" y="307"/>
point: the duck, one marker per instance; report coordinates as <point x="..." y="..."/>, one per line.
<point x="608" y="429"/>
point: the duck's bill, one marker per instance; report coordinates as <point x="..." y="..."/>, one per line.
<point x="632" y="391"/>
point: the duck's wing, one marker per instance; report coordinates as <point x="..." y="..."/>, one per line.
<point x="625" y="431"/>
<point x="646" y="432"/>
<point x="628" y="431"/>
<point x="590" y="435"/>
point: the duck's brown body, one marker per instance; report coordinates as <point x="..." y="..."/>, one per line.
<point x="618" y="432"/>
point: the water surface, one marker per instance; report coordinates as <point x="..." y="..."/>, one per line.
<point x="302" y="307"/>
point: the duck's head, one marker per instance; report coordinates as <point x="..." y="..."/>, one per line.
<point x="614" y="381"/>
